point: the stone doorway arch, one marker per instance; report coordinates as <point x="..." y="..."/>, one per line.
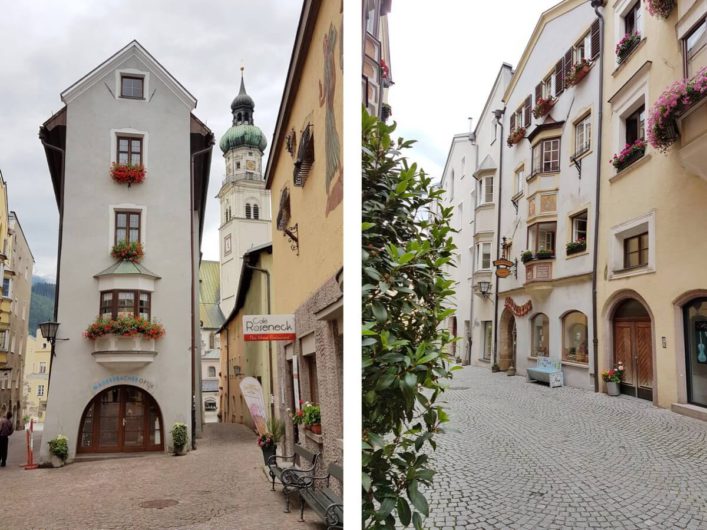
<point x="507" y="341"/>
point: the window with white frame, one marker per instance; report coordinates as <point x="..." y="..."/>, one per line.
<point x="636" y="125"/>
<point x="546" y="156"/>
<point x="632" y="19"/>
<point x="548" y="86"/>
<point x="579" y="227"/>
<point x="42" y="367"/>
<point x="633" y="247"/>
<point x="450" y="186"/>
<point x="483" y="256"/>
<point x="695" y="48"/>
<point x="518" y="180"/>
<point x="583" y="135"/>
<point x="463" y="166"/>
<point x="583" y="49"/>
<point x="540" y="346"/>
<point x="574" y="337"/>
<point x="484" y="191"/>
<point x="7" y="287"/>
<point x="40" y="390"/>
<point x="541" y="236"/>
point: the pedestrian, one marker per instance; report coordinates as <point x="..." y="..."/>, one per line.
<point x="6" y="429"/>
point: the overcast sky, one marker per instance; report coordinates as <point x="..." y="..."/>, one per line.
<point x="444" y="59"/>
<point x="47" y="45"/>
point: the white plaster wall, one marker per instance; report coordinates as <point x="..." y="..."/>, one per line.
<point x="89" y="191"/>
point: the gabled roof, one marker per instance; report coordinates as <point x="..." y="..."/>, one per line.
<point x="136" y="49"/>
<point x="487" y="164"/>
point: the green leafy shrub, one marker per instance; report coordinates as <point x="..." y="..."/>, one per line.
<point x="179" y="435"/>
<point x="406" y="244"/>
<point x="59" y="446"/>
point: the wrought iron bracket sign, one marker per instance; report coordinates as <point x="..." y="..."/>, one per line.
<point x="292" y="235"/>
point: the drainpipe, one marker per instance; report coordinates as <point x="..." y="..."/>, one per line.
<point x="596" y="4"/>
<point x="42" y="138"/>
<point x="472" y="139"/>
<point x="498" y="113"/>
<point x="228" y="380"/>
<point x="272" y="388"/>
<point x="193" y="293"/>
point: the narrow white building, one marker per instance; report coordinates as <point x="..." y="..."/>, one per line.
<point x="129" y="164"/>
<point x="548" y="196"/>
<point x="245" y="203"/>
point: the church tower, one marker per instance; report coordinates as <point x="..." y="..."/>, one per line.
<point x="245" y="203"/>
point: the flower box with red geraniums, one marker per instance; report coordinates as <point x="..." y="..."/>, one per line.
<point x="578" y="72"/>
<point x="660" y="8"/>
<point x="127" y="173"/>
<point x="576" y="246"/>
<point x="626" y="45"/>
<point x="128" y="251"/>
<point x="670" y="105"/>
<point x="516" y="136"/>
<point x="629" y="154"/>
<point x="543" y="106"/>
<point x="124" y="327"/>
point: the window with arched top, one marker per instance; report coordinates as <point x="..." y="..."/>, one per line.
<point x="256" y="212"/>
<point x="247" y="210"/>
<point x="238" y="117"/>
<point x="574" y="337"/>
<point x="212" y="371"/>
<point x="541" y="336"/>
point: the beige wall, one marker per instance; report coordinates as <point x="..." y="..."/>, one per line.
<point x="38" y="351"/>
<point x="657" y="188"/>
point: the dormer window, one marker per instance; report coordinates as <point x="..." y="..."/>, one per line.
<point x="131" y="86"/>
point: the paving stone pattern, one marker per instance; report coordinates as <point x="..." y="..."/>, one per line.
<point x="522" y="455"/>
<point x="221" y="485"/>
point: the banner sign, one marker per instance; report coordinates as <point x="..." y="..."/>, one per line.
<point x="253" y="395"/>
<point x="268" y="327"/>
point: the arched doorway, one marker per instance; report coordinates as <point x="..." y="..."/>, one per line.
<point x="507" y="346"/>
<point x="121" y="419"/>
<point x="633" y="348"/>
<point x="695" y="320"/>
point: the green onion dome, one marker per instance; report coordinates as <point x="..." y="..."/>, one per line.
<point x="243" y="134"/>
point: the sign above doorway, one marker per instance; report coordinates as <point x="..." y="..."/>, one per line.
<point x="269" y="327"/>
<point x="518" y="310"/>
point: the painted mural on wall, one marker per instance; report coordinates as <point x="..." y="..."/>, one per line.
<point x="332" y="145"/>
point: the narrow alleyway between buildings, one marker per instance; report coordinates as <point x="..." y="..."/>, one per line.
<point x="522" y="455"/>
<point x="221" y="485"/>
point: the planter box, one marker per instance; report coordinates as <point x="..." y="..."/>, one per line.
<point x="579" y="75"/>
<point x="637" y="155"/>
<point x="124" y="353"/>
<point x="543" y="110"/>
<point x="516" y="136"/>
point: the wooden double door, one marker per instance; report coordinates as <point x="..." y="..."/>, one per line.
<point x="633" y="347"/>
<point x="121" y="419"/>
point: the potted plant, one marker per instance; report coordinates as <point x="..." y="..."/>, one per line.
<point x="526" y="256"/>
<point x="578" y="72"/>
<point x="677" y="99"/>
<point x="515" y="136"/>
<point x="660" y="8"/>
<point x="626" y="45"/>
<point x="268" y="441"/>
<point x="311" y="416"/>
<point x="128" y="251"/>
<point x="543" y="106"/>
<point x="179" y="438"/>
<point x="59" y="450"/>
<point x="124" y="327"/>
<point x="576" y="246"/>
<point x="629" y="154"/>
<point x="127" y="173"/>
<point x="613" y="378"/>
<point x="544" y="254"/>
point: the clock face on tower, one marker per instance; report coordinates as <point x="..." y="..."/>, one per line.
<point x="250" y="165"/>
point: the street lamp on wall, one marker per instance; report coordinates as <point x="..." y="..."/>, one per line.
<point x="49" y="330"/>
<point x="484" y="288"/>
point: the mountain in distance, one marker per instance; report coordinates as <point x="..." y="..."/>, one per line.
<point x="41" y="307"/>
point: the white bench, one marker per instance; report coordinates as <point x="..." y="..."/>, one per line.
<point x="547" y="370"/>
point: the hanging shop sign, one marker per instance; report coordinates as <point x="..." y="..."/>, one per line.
<point x="518" y="310"/>
<point x="253" y="394"/>
<point x="268" y="327"/>
<point x="503" y="267"/>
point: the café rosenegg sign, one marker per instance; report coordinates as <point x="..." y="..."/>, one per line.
<point x="268" y="327"/>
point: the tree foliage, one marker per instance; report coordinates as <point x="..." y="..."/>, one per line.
<point x="406" y="245"/>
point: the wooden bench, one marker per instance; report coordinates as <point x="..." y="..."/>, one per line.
<point x="325" y="502"/>
<point x="295" y="476"/>
<point x="547" y="370"/>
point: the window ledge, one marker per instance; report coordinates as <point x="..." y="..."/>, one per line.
<point x="627" y="59"/>
<point x="485" y="206"/>
<point x="541" y="174"/>
<point x="488" y="361"/>
<point x="575" y="364"/>
<point x="517" y="196"/>
<point x="627" y="273"/>
<point x="580" y="156"/>
<point x="638" y="163"/>
<point x="536" y="357"/>
<point x="577" y="254"/>
<point x="316" y="438"/>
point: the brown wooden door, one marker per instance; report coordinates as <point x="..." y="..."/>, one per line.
<point x="633" y="348"/>
<point x="121" y="419"/>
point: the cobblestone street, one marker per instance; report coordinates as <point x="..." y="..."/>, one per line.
<point x="219" y="486"/>
<point x="522" y="455"/>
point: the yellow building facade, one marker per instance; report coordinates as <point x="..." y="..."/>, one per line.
<point x="651" y="288"/>
<point x="36" y="376"/>
<point x="305" y="175"/>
